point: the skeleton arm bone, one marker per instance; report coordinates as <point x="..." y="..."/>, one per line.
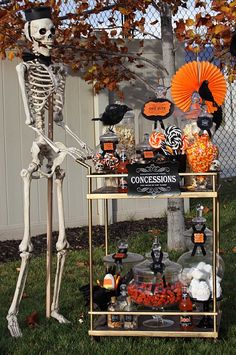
<point x="46" y="139"/>
<point x="21" y="70"/>
<point x="88" y="150"/>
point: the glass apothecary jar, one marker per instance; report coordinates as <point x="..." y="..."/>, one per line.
<point x="156" y="286"/>
<point x="122" y="261"/>
<point x="144" y="152"/>
<point x="125" y="130"/>
<point x="105" y="157"/>
<point x="198" y="224"/>
<point x="197" y="274"/>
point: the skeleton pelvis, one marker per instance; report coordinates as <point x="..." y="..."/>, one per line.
<point x="41" y="151"/>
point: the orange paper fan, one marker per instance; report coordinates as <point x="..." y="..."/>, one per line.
<point x="189" y="79"/>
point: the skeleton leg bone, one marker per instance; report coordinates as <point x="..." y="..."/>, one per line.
<point x="25" y="248"/>
<point x="62" y="246"/>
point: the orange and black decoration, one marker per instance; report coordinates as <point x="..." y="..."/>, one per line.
<point x="157" y="109"/>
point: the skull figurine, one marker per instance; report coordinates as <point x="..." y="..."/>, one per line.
<point x="42" y="33"/>
<point x="215" y="165"/>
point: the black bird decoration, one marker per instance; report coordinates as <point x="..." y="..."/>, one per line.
<point x="232" y="47"/>
<point x="217" y="117"/>
<point x="206" y="93"/>
<point x="113" y="114"/>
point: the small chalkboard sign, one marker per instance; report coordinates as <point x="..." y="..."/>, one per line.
<point x="153" y="179"/>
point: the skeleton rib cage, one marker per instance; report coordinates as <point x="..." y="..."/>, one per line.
<point x="41" y="82"/>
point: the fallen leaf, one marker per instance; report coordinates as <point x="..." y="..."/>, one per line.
<point x="32" y="319"/>
<point x="154" y="231"/>
<point x="206" y="209"/>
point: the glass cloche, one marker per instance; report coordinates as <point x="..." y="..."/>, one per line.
<point x="123" y="260"/>
<point x="156" y="280"/>
<point x="198" y="276"/>
<point x="105" y="157"/>
<point x="144" y="151"/>
<point x="198" y="224"/>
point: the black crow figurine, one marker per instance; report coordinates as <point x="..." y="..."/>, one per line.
<point x="113" y="114"/>
<point x="232" y="47"/>
<point x="206" y="93"/>
<point x="217" y="118"/>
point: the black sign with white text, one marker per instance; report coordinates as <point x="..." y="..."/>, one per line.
<point x="153" y="179"/>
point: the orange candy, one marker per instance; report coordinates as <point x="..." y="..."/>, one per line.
<point x="201" y="153"/>
<point x="155" y="139"/>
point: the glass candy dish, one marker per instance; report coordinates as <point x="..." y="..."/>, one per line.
<point x="158" y="290"/>
<point x="156" y="285"/>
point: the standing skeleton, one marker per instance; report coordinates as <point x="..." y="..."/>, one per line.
<point x="40" y="80"/>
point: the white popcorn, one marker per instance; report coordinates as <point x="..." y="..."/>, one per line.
<point x="201" y="265"/>
<point x="198" y="274"/>
<point x="199" y="290"/>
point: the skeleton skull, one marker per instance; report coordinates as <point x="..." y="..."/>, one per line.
<point x="215" y="165"/>
<point x="42" y="33"/>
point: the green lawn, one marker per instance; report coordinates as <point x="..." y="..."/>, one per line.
<point x="52" y="338"/>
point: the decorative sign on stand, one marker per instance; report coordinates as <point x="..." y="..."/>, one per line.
<point x="153" y="179"/>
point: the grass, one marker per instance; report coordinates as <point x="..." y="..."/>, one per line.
<point x="51" y="337"/>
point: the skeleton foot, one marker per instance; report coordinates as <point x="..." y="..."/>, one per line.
<point x="13" y="326"/>
<point x="59" y="317"/>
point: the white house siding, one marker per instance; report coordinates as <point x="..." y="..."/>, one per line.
<point x="15" y="144"/>
<point x="16" y="140"/>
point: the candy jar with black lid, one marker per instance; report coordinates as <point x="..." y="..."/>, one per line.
<point x="156" y="284"/>
<point x="122" y="260"/>
<point x="198" y="226"/>
<point x="109" y="141"/>
<point x="144" y="151"/>
<point x="105" y="157"/>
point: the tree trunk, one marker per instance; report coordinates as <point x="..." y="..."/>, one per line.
<point x="175" y="207"/>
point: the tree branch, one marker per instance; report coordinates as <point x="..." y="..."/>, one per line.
<point x="113" y="54"/>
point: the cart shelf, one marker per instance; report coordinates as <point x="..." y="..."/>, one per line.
<point x="107" y="193"/>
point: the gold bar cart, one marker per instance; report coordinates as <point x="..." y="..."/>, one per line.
<point x="109" y="193"/>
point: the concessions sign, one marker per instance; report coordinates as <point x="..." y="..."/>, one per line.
<point x="153" y="179"/>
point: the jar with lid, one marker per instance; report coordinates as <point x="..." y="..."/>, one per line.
<point x="125" y="130"/>
<point x="144" y="151"/>
<point x="106" y="158"/>
<point x="122" y="261"/>
<point x="156" y="280"/>
<point x="197" y="273"/>
<point x="198" y="224"/>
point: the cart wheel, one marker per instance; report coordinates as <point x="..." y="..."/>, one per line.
<point x="95" y="339"/>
